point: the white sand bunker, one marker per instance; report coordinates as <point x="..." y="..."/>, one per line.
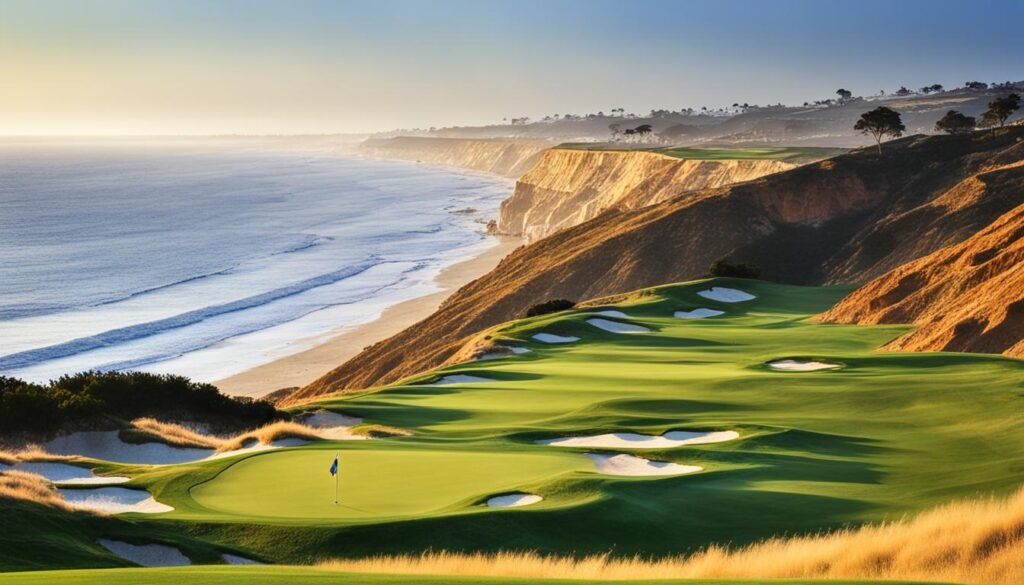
<point x="513" y="500"/>
<point x="617" y="327"/>
<point x="726" y="295"/>
<point x="63" y="473"/>
<point x="503" y="351"/>
<point x="701" y="313"/>
<point x="237" y="560"/>
<point x="254" y="446"/>
<point x="552" y="338"/>
<point x="801" y="365"/>
<point x="460" y="379"/>
<point x="638" y="441"/>
<point x="108" y="446"/>
<point x="147" y="555"/>
<point x="114" y="500"/>
<point x="334" y="426"/>
<point x="630" y="465"/>
<point x="613" y="313"/>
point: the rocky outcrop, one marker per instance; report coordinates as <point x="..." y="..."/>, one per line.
<point x="570" y="186"/>
<point x="508" y="158"/>
<point x="835" y="221"/>
<point x="965" y="297"/>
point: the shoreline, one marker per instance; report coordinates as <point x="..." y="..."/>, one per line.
<point x="301" y="368"/>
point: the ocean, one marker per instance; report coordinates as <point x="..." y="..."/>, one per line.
<point x="205" y="260"/>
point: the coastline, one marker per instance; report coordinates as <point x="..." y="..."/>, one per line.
<point x="306" y="366"/>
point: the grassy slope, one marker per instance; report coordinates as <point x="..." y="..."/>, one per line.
<point x="306" y="576"/>
<point x="791" y="154"/>
<point x="887" y="435"/>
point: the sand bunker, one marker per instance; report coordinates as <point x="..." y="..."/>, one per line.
<point x="108" y="446"/>
<point x="700" y="313"/>
<point x="513" y="500"/>
<point x="801" y="365"/>
<point x="726" y="295"/>
<point x="506" y="350"/>
<point x="629" y="465"/>
<point x="237" y="560"/>
<point x="147" y="555"/>
<point x="334" y="426"/>
<point x="552" y="338"/>
<point x="255" y="446"/>
<point x="63" y="473"/>
<point x="617" y="327"/>
<point x="114" y="500"/>
<point x="613" y="313"/>
<point x="460" y="379"/>
<point x="638" y="441"/>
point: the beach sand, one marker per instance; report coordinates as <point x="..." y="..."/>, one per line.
<point x="303" y="367"/>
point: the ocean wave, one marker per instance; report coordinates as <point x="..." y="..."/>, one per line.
<point x="125" y="334"/>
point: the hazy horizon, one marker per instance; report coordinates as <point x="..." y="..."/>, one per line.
<point x="153" y="68"/>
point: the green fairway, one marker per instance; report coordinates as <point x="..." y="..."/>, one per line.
<point x="308" y="576"/>
<point x="792" y="154"/>
<point x="883" y="436"/>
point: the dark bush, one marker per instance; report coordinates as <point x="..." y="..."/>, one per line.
<point x="723" y="267"/>
<point x="78" y="398"/>
<point x="552" y="306"/>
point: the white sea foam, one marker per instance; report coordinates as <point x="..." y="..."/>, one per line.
<point x="206" y="262"/>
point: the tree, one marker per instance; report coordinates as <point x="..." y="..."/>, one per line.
<point x="643" y="130"/>
<point x="955" y="123"/>
<point x="844" y="94"/>
<point x="615" y="130"/>
<point x="999" y="110"/>
<point x="879" y="123"/>
<point x="903" y="91"/>
<point x="932" y="88"/>
<point x="976" y="85"/>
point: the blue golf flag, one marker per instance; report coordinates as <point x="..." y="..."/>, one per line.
<point x="334" y="466"/>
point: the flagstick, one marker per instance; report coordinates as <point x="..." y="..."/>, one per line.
<point x="337" y="455"/>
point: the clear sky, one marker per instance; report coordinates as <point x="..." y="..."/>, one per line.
<point x="311" y="66"/>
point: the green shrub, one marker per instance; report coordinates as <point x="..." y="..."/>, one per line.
<point x="552" y="306"/>
<point x="724" y="267"/>
<point x="29" y="407"/>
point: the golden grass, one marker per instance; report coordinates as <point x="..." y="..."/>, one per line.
<point x="375" y="431"/>
<point x="32" y="453"/>
<point x="175" y="434"/>
<point x="269" y="433"/>
<point x="21" y="485"/>
<point x="979" y="541"/>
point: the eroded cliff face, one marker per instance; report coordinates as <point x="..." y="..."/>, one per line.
<point x="508" y="158"/>
<point x="965" y="297"/>
<point x="570" y="186"/>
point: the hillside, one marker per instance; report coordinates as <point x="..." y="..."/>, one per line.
<point x="570" y="186"/>
<point x="965" y="297"/>
<point x="842" y="220"/>
<point x="508" y="158"/>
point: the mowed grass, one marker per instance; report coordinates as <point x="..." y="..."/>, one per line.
<point x="206" y="575"/>
<point x="374" y="483"/>
<point x="886" y="435"/>
<point x="791" y="154"/>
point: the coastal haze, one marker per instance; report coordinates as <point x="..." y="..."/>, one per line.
<point x="402" y="292"/>
<point x="207" y="257"/>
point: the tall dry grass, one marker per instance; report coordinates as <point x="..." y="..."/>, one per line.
<point x="979" y="541"/>
<point x="31" y="453"/>
<point x="177" y="434"/>
<point x="21" y="485"/>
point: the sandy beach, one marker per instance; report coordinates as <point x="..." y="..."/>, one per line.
<point x="303" y="367"/>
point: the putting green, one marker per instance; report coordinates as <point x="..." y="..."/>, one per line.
<point x="375" y="483"/>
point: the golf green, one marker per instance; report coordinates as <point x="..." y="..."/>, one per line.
<point x="375" y="483"/>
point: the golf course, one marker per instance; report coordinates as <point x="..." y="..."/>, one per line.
<point x="653" y="423"/>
